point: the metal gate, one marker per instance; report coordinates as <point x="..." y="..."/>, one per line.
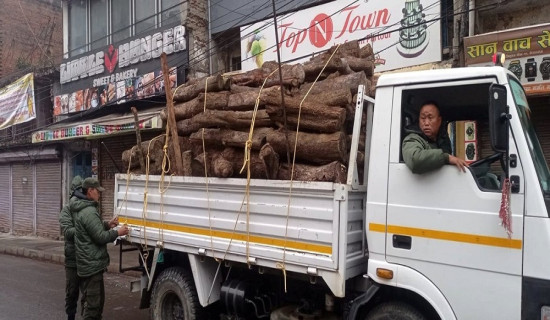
<point x="5" y="198"/>
<point x="48" y="198"/>
<point x="23" y="198"/>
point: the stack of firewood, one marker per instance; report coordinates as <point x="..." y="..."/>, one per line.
<point x="214" y="116"/>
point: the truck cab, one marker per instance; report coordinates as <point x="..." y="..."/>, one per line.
<point x="441" y="233"/>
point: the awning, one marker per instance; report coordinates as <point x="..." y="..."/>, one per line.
<point x="99" y="127"/>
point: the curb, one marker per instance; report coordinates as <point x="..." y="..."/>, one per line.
<point x="55" y="258"/>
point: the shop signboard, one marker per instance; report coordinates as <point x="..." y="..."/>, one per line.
<point x="402" y="33"/>
<point x="122" y="71"/>
<point x="17" y="102"/>
<point x="527" y="52"/>
<point x="91" y="130"/>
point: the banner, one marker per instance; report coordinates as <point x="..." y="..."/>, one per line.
<point x="527" y="52"/>
<point x="402" y="33"/>
<point x="17" y="102"/>
<point x="89" y="130"/>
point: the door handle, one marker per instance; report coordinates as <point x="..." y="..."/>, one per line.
<point x="402" y="242"/>
<point x="514" y="181"/>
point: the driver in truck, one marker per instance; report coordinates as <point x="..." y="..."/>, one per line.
<point x="427" y="147"/>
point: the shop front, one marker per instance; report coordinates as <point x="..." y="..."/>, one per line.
<point x="527" y="53"/>
<point x="93" y="148"/>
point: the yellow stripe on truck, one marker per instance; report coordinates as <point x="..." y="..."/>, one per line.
<point x="277" y="242"/>
<point x="449" y="236"/>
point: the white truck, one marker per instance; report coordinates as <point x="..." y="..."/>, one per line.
<point x="387" y="244"/>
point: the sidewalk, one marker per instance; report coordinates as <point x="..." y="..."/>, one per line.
<point x="53" y="251"/>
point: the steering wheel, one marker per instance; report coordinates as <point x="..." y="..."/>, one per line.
<point x="490" y="159"/>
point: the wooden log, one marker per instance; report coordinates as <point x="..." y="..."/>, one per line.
<point x="331" y="121"/>
<point x="153" y="150"/>
<point x="138" y="138"/>
<point x="230" y="138"/>
<point x="314" y="116"/>
<point x="359" y="64"/>
<point x="223" y="119"/>
<point x="350" y="81"/>
<point x="331" y="172"/>
<point x="366" y="52"/>
<point x="336" y="97"/>
<point x="246" y="100"/>
<point x="311" y="147"/>
<point x="186" y="110"/>
<point x="347" y="49"/>
<point x="293" y="75"/>
<point x="228" y="163"/>
<point x="187" y="157"/>
<point x="270" y="159"/>
<point x="195" y="86"/>
<point x="171" y="129"/>
<point x="314" y="67"/>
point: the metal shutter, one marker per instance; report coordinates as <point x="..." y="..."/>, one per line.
<point x="48" y="198"/>
<point x="541" y="119"/>
<point x="5" y="198"/>
<point x="23" y="194"/>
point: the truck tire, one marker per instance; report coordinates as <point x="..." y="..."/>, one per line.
<point x="394" y="311"/>
<point x="174" y="296"/>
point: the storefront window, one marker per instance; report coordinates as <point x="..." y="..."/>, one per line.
<point x="525" y="116"/>
<point x="77" y="32"/>
<point x="145" y="16"/>
<point x="120" y="20"/>
<point x="171" y="11"/>
<point x="98" y="22"/>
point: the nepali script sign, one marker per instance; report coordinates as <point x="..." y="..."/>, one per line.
<point x="527" y="53"/>
<point x="402" y="33"/>
<point x="17" y="102"/>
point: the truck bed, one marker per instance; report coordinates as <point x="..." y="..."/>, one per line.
<point x="321" y="235"/>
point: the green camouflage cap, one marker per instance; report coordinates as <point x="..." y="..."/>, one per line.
<point x="92" y="183"/>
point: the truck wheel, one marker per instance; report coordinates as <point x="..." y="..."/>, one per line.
<point x="174" y="296"/>
<point x="394" y="311"/>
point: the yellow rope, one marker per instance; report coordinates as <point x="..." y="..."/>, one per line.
<point x="282" y="265"/>
<point x="246" y="163"/>
<point x="206" y="175"/>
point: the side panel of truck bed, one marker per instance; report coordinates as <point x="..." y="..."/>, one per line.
<point x="322" y="233"/>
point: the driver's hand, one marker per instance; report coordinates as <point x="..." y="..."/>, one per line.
<point x="461" y="164"/>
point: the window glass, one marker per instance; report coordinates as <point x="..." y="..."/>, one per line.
<point x="171" y="10"/>
<point x="120" y="20"/>
<point x="525" y="116"/>
<point x="77" y="27"/>
<point x="145" y="16"/>
<point x="98" y="17"/>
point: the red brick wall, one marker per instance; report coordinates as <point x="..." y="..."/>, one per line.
<point x="40" y="47"/>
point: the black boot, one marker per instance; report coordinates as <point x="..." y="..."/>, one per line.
<point x="71" y="317"/>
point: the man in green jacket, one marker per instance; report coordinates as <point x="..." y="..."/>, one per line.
<point x="429" y="148"/>
<point x="92" y="236"/>
<point x="72" y="281"/>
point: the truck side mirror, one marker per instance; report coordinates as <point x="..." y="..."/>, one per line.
<point x="498" y="118"/>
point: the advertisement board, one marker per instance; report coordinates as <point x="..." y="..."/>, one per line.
<point x="17" y="102"/>
<point x="122" y="71"/>
<point x="527" y="52"/>
<point x="402" y="33"/>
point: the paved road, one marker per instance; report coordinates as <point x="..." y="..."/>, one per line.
<point x="32" y="289"/>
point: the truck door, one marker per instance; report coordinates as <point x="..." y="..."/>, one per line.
<point x="445" y="224"/>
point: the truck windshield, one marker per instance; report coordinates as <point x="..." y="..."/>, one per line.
<point x="525" y="116"/>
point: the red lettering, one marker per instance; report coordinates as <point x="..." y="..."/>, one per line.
<point x="364" y="22"/>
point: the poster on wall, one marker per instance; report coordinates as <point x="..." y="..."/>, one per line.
<point x="17" y="102"/>
<point x="527" y="52"/>
<point x="402" y="33"/>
